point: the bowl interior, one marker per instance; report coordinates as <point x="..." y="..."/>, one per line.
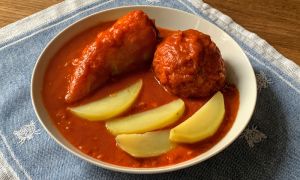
<point x="238" y="67"/>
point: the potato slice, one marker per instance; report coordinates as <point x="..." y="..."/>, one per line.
<point x="145" y="145"/>
<point x="110" y="106"/>
<point x="203" y="124"/>
<point x="148" y="120"/>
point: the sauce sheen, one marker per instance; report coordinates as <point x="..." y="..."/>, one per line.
<point x="93" y="138"/>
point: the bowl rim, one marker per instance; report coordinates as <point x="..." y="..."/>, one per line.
<point x="131" y="170"/>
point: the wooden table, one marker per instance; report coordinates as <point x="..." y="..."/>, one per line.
<point x="276" y="21"/>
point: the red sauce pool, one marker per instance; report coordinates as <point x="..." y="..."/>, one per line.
<point x="92" y="138"/>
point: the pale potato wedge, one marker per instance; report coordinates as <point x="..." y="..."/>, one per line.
<point x="110" y="106"/>
<point x="153" y="119"/>
<point x="203" y="124"/>
<point x="145" y="145"/>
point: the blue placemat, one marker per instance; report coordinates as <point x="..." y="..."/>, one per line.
<point x="268" y="149"/>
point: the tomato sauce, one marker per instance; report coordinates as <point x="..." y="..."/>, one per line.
<point x="93" y="138"/>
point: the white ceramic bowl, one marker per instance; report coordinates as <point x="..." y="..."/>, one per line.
<point x="239" y="69"/>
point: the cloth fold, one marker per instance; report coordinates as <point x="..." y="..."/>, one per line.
<point x="267" y="149"/>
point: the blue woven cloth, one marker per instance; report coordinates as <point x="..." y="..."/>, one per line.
<point x="268" y="149"/>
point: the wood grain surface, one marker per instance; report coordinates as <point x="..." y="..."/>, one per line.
<point x="276" y="21"/>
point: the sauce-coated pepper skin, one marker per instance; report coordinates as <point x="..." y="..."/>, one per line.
<point x="127" y="45"/>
